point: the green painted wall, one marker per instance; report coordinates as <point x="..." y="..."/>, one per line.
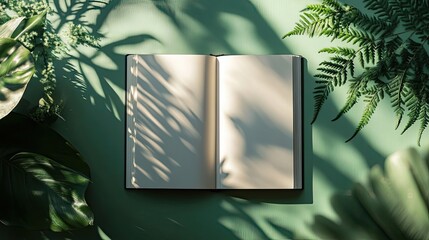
<point x="94" y="123"/>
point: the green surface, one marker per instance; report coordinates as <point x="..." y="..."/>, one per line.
<point x="94" y="124"/>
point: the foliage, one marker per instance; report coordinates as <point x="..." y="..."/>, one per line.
<point x="42" y="183"/>
<point x="47" y="45"/>
<point x="42" y="177"/>
<point x="388" y="59"/>
<point x="16" y="63"/>
<point x="16" y="69"/>
<point x="393" y="205"/>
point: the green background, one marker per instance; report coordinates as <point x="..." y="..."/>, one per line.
<point x="94" y="122"/>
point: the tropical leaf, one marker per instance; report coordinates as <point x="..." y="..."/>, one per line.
<point x="30" y="24"/>
<point x="394" y="205"/>
<point x="16" y="63"/>
<point x="16" y="70"/>
<point x="42" y="178"/>
<point x="7" y="29"/>
<point x="16" y="27"/>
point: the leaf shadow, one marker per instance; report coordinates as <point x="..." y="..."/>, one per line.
<point x="98" y="132"/>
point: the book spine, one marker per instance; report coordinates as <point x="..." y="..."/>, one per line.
<point x="297" y="120"/>
<point x="217" y="156"/>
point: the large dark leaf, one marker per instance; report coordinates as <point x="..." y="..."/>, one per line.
<point x="16" y="69"/>
<point x="42" y="178"/>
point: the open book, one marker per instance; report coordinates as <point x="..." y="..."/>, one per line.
<point x="207" y="122"/>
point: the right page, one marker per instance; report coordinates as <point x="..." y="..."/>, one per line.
<point x="259" y="122"/>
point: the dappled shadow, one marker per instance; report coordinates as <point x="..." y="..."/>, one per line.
<point x="95" y="120"/>
<point x="104" y="90"/>
<point x="216" y="16"/>
<point x="256" y="122"/>
<point x="79" y="11"/>
<point x="166" y="142"/>
<point x="344" y="128"/>
<point x="304" y="196"/>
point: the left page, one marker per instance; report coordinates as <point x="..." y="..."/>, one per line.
<point x="170" y="112"/>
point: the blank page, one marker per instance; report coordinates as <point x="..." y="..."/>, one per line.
<point x="170" y="121"/>
<point x="256" y="148"/>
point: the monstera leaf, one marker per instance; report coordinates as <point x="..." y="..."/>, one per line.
<point x="16" y="69"/>
<point x="42" y="178"/>
<point x="393" y="205"/>
<point x="16" y="64"/>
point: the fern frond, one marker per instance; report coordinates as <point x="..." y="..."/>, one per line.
<point x="343" y="51"/>
<point x="369" y="53"/>
<point x="327" y="19"/>
<point x="391" y="47"/>
<point x="380" y="49"/>
<point x="397" y="86"/>
<point x="356" y="36"/>
<point x="393" y="44"/>
<point x="372" y="103"/>
<point x="411" y="15"/>
<point x="416" y="101"/>
<point x="333" y="4"/>
<point x="414" y="106"/>
<point x="321" y="93"/>
<point x="382" y="9"/>
<point x="336" y="69"/>
<point x="397" y="93"/>
<point x="374" y="25"/>
<point x="320" y="9"/>
<point x="353" y="95"/>
<point x="361" y="59"/>
<point x="310" y="24"/>
<point x="424" y="117"/>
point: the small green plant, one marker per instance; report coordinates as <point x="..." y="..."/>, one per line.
<point x="388" y="58"/>
<point x="47" y="45"/>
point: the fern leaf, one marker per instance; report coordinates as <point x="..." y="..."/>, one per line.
<point x="383" y="9"/>
<point x="424" y="118"/>
<point x="333" y="4"/>
<point x="361" y="59"/>
<point x="369" y="110"/>
<point x="353" y="95"/>
<point x="356" y="37"/>
<point x="372" y="24"/>
<point x="321" y="93"/>
<point x="411" y="16"/>
<point x="393" y="44"/>
<point x="414" y="106"/>
<point x="310" y="24"/>
<point x="400" y="58"/>
<point x="396" y="90"/>
<point x="343" y="51"/>
<point x="319" y="9"/>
